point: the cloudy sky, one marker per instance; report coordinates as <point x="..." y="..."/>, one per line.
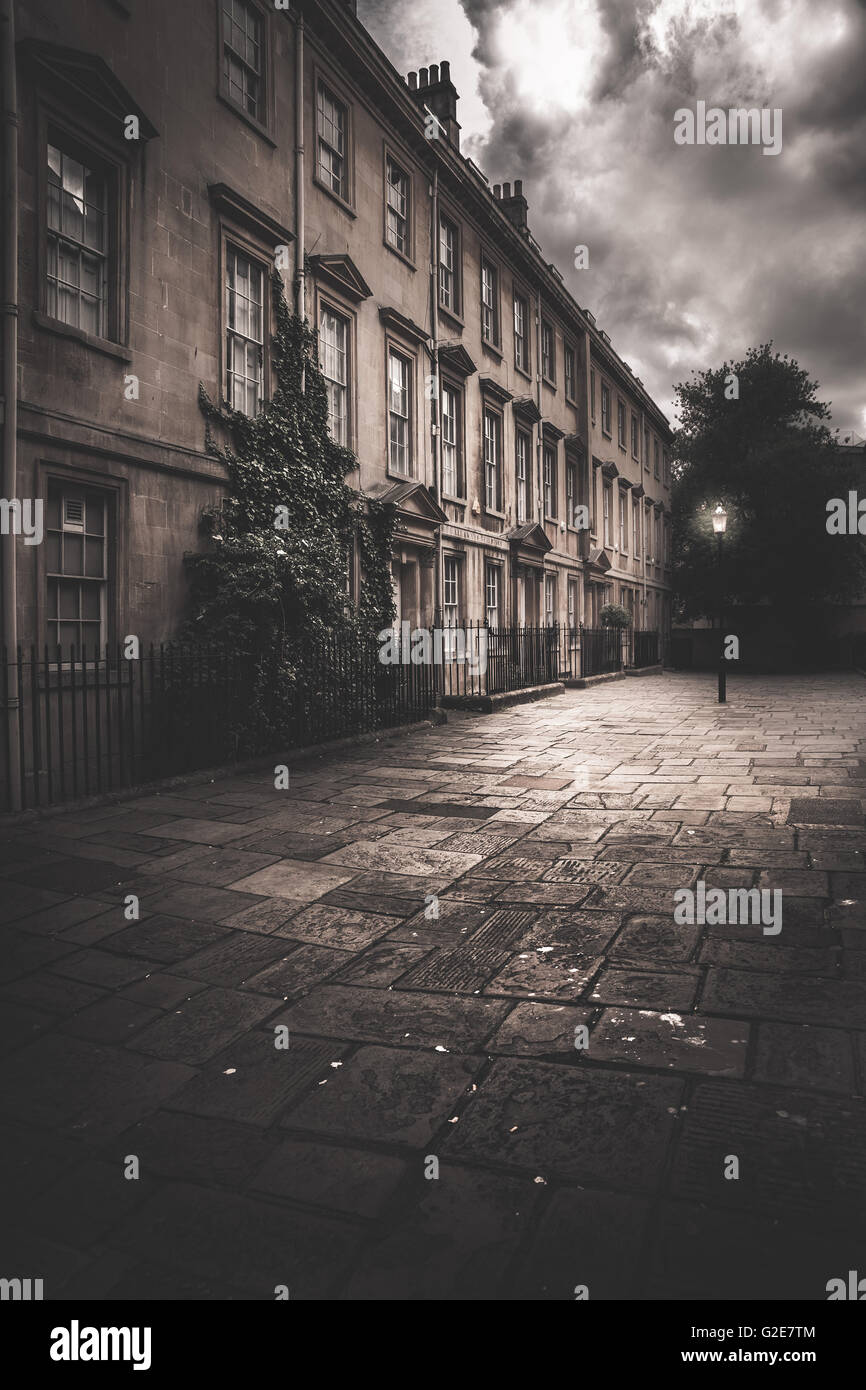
<point x="696" y="253"/>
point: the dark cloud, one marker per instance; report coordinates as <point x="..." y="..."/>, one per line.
<point x="696" y="253"/>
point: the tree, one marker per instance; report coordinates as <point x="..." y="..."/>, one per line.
<point x="751" y="437"/>
<point x="614" y="615"/>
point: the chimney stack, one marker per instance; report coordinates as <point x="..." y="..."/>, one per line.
<point x="515" y="206"/>
<point x="432" y="87"/>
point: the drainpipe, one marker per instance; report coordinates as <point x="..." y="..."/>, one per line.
<point x="584" y="541"/>
<point x="539" y="455"/>
<point x="300" y="267"/>
<point x="10" y="386"/>
<point x="435" y="412"/>
<point x="645" y="529"/>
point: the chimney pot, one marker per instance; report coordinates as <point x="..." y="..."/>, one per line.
<point x="445" y="71"/>
<point x="497" y="191"/>
<point x="518" y="188"/>
<point x="434" y="75"/>
<point x="506" y="190"/>
<point x="413" y="81"/>
<point x="423" y="77"/>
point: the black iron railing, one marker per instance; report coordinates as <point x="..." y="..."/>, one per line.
<point x="479" y="660"/>
<point x="602" y="650"/>
<point x="94" y="721"/>
<point x="645" y="649"/>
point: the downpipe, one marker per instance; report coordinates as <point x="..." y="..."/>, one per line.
<point x="10" y="392"/>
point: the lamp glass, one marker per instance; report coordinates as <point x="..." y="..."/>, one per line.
<point x="720" y="520"/>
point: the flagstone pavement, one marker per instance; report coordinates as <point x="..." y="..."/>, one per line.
<point x="435" y="924"/>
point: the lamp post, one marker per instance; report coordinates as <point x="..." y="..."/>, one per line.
<point x="720" y="522"/>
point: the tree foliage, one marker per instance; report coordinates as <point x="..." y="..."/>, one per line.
<point x="270" y="590"/>
<point x="614" y="615"/>
<point x="752" y="437"/>
<point x="276" y="568"/>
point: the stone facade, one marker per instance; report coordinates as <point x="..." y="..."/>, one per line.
<point x="464" y="375"/>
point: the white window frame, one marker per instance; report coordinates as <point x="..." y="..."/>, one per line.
<point x="548" y="352"/>
<point x="522" y="455"/>
<point x="492" y="440"/>
<point x="549" y="464"/>
<point x="521" y="337"/>
<point x="491" y="594"/>
<point x="394" y="416"/>
<point x="65" y="251"/>
<point x="329" y="129"/>
<point x="330" y="354"/>
<point x="570" y="377"/>
<point x="452" y="434"/>
<point x="237" y="305"/>
<point x="606" y="414"/>
<point x="451" y="590"/>
<point x="449" y="264"/>
<point x="549" y="600"/>
<point x="251" y="68"/>
<point x="489" y="302"/>
<point x="395" y="214"/>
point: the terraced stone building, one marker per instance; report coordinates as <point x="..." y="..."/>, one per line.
<point x="170" y="154"/>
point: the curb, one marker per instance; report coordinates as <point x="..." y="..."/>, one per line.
<point x="489" y="704"/>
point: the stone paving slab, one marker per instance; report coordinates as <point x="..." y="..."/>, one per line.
<point x="591" y="1126"/>
<point x="388" y="1096"/>
<point x="431" y="923"/>
<point x="413" y="1019"/>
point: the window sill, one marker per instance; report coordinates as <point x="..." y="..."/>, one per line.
<point x="607" y="434"/>
<point x="401" y="477"/>
<point x="335" y="197"/>
<point x="524" y="371"/>
<point x="489" y="511"/>
<point x="245" y="116"/>
<point x="548" y="381"/>
<point x="452" y="316"/>
<point x="80" y="335"/>
<point x="458" y="501"/>
<point x="492" y="348"/>
<point x="570" y="400"/>
<point x="401" y="255"/>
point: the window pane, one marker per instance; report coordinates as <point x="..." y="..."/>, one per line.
<point x="73" y="554"/>
<point x="90" y="595"/>
<point x="95" y="524"/>
<point x="69" y="600"/>
<point x="95" y="558"/>
<point x="52" y="553"/>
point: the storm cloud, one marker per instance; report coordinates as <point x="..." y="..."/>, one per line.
<point x="696" y="252"/>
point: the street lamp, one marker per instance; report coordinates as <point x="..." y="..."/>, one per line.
<point x="720" y="522"/>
